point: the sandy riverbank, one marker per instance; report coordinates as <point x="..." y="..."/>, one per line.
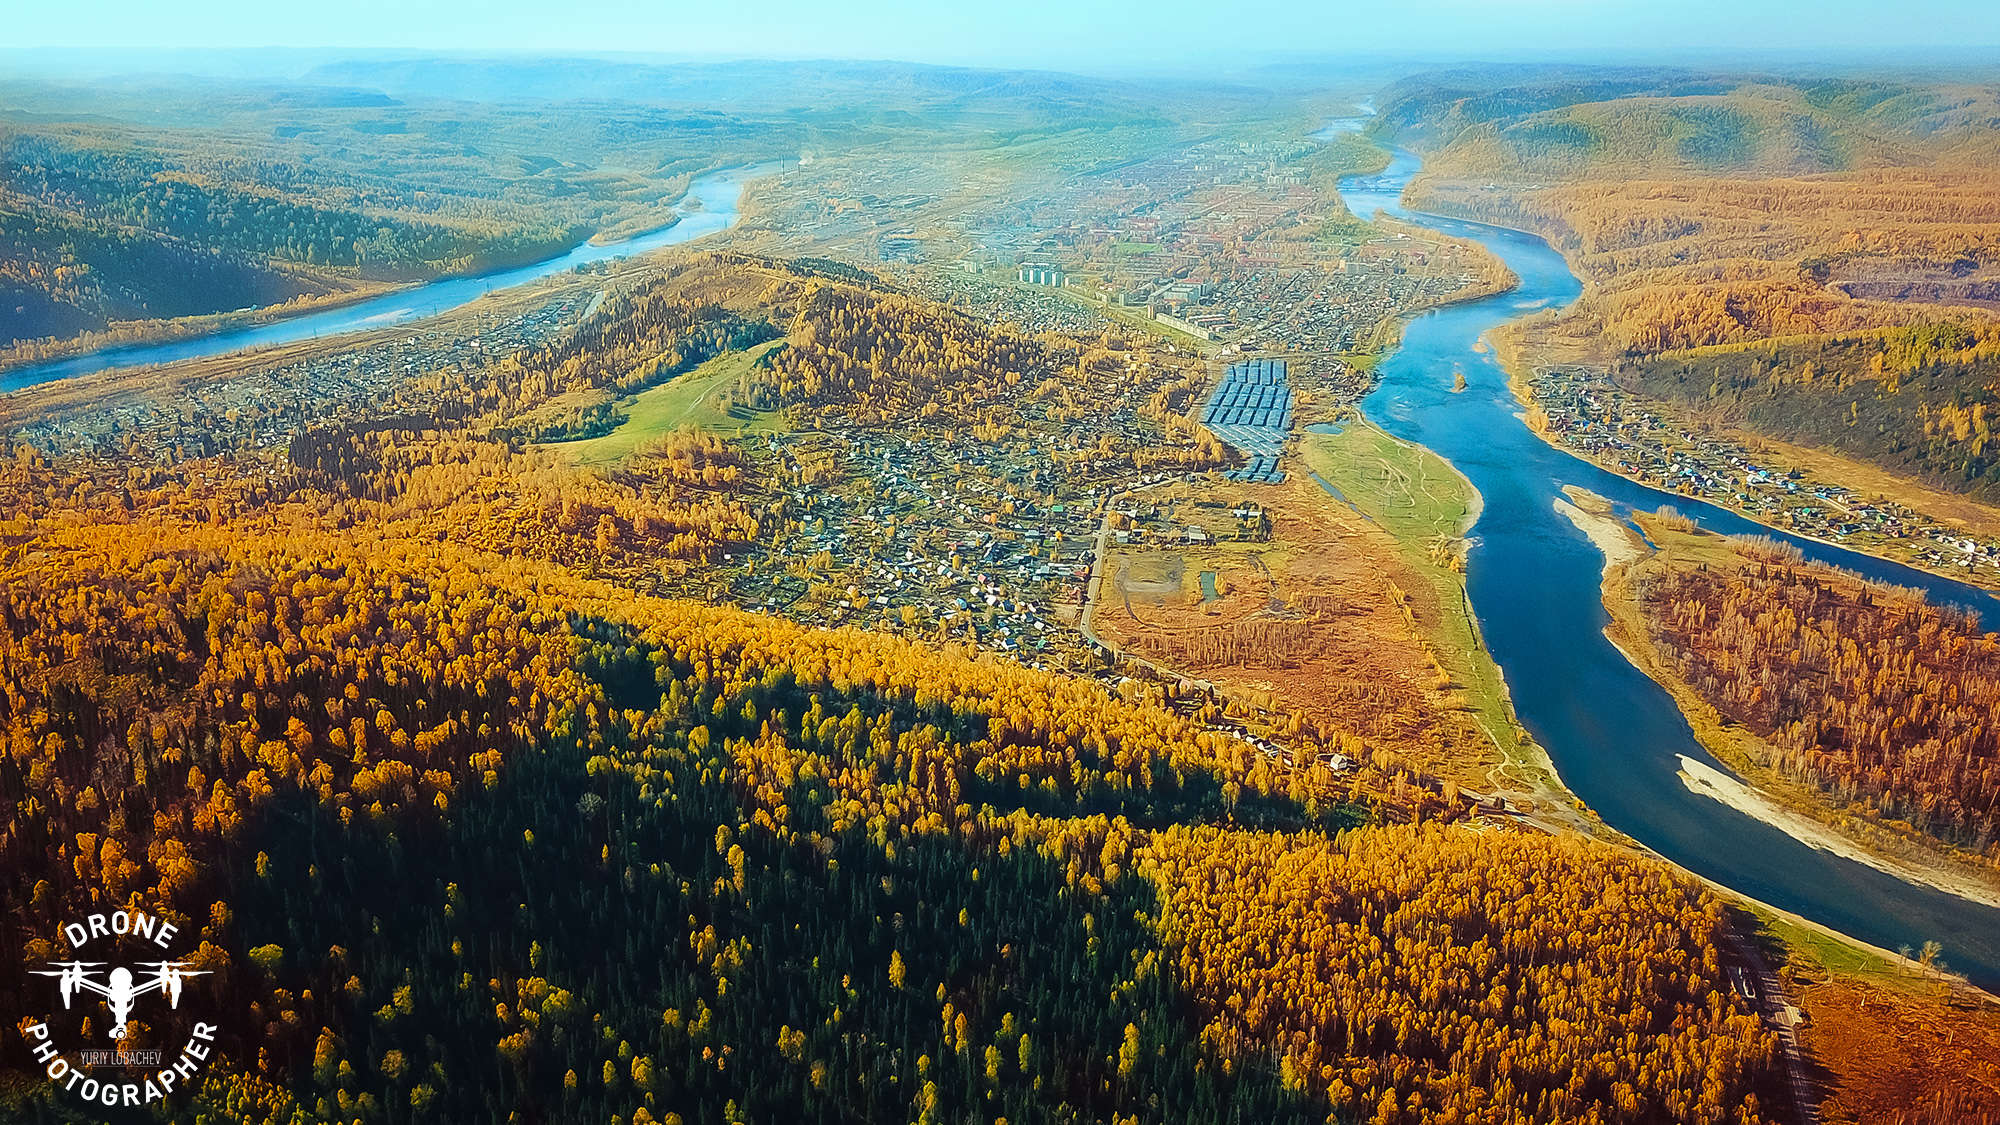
<point x="1624" y="546"/>
<point x="1707" y="781"/>
<point x="1591" y="514"/>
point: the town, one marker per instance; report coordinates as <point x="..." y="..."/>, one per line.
<point x="1582" y="411"/>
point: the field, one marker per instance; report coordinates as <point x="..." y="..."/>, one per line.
<point x="1318" y="620"/>
<point x="1351" y="612"/>
<point x="1426" y="508"/>
<point x="696" y="400"/>
<point x="1412" y="493"/>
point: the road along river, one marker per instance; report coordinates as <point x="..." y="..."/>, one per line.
<point x="708" y="207"/>
<point x="1616" y="737"/>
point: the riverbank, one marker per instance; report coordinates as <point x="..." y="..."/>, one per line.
<point x="711" y="201"/>
<point x="147" y="333"/>
<point x="1592" y="515"/>
<point x="1884" y="1036"/>
<point x="1615" y="735"/>
<point x="1848" y="1012"/>
<point x="1798" y="810"/>
<point x="636" y="227"/>
<point x="1428" y="508"/>
<point x="1805" y="470"/>
<point x="350" y="291"/>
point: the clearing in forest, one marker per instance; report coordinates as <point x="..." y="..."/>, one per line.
<point x="702" y="399"/>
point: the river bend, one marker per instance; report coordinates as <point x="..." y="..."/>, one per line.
<point x="709" y="206"/>
<point x="1615" y="735"/>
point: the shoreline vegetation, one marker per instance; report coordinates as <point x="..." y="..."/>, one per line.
<point x="636" y="226"/>
<point x="1833" y="980"/>
<point x="1427" y="507"/>
<point x="1959" y="511"/>
<point x="143" y="333"/>
<point x="1798" y="810"/>
<point x="1704" y="779"/>
<point x="1829" y="986"/>
<point x="1725" y="292"/>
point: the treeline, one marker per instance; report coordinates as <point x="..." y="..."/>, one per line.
<point x="639" y="339"/>
<point x="207" y="704"/>
<point x="863" y="358"/>
<point x="1923" y="399"/>
<point x="1738" y="133"/>
<point x="91" y="235"/>
<point x="1559" y="123"/>
<point x="1440" y="107"/>
<point x="1867" y="693"/>
<point x="868" y="357"/>
<point x="1436" y="975"/>
<point x="61" y="276"/>
<point x="484" y="846"/>
<point x="678" y="504"/>
<point x="227" y="207"/>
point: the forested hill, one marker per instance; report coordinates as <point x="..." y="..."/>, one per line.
<point x="1814" y="260"/>
<point x="104" y="223"/>
<point x="1653" y="122"/>
<point x="1430" y="111"/>
<point x="93" y="231"/>
<point x="473" y="827"/>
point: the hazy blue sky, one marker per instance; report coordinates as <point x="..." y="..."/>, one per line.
<point x="1070" y="33"/>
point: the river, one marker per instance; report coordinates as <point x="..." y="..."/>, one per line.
<point x="708" y="207"/>
<point x="1616" y="737"/>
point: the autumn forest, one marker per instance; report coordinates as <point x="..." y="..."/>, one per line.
<point x="691" y="688"/>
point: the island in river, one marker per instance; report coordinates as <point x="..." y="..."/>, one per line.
<point x="1617" y="738"/>
<point x="1681" y="599"/>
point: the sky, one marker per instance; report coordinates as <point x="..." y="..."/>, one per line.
<point x="1069" y="34"/>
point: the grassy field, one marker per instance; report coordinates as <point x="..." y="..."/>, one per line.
<point x="693" y="400"/>
<point x="1427" y="507"/>
<point x="1828" y="951"/>
<point x="1413" y="493"/>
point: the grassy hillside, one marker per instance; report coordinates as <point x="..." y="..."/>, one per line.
<point x="703" y="399"/>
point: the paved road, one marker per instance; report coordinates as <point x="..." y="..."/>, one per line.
<point x="1775" y="1006"/>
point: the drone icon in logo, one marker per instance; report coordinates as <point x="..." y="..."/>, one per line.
<point x="119" y="989"/>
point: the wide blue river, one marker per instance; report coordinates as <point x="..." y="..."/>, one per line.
<point x="709" y="206"/>
<point x="1616" y="737"/>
